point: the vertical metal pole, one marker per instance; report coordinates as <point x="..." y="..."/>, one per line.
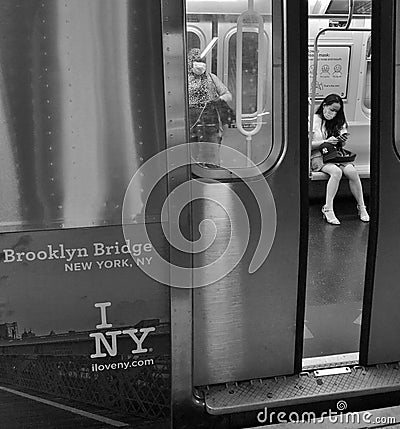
<point x="315" y="66"/>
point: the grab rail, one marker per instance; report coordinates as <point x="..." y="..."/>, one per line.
<point x="253" y="17"/>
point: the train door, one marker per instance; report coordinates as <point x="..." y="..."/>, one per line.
<point x="245" y="323"/>
<point x="339" y="64"/>
<point x="248" y="327"/>
<point x="380" y="329"/>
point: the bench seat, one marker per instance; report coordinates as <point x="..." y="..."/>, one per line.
<point x="363" y="171"/>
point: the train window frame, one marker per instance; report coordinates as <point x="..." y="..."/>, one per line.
<point x="276" y="70"/>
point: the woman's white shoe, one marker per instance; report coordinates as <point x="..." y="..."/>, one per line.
<point x="362" y="213"/>
<point x="329" y="216"/>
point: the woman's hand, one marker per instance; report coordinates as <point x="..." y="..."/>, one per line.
<point x="332" y="140"/>
<point x="226" y="97"/>
<point x="343" y="138"/>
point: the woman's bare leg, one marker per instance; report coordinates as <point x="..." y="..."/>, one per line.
<point x="356" y="189"/>
<point x="355" y="183"/>
<point x="335" y="174"/>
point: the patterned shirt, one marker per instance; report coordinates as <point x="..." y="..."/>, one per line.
<point x="204" y="88"/>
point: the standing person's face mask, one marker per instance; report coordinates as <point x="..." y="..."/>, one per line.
<point x="199" y="68"/>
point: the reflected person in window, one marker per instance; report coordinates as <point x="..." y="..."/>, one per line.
<point x="208" y="115"/>
<point x="330" y="125"/>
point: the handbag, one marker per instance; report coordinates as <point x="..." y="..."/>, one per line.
<point x="335" y="153"/>
<point x="225" y="112"/>
<point x="345" y="155"/>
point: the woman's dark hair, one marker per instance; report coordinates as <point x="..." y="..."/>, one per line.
<point x="333" y="126"/>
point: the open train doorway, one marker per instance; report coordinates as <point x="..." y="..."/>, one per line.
<point x="339" y="71"/>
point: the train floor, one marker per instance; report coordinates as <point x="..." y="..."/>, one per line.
<point x="335" y="281"/>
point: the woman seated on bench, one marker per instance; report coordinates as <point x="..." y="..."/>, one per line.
<point x="330" y="126"/>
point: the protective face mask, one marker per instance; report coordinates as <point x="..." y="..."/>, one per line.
<point x="328" y="114"/>
<point x="199" y="68"/>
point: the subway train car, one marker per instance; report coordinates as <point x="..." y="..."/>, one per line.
<point x="141" y="287"/>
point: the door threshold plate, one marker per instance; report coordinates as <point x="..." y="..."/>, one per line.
<point x="297" y="389"/>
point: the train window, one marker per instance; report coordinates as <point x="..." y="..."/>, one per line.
<point x="339" y="7"/>
<point x="249" y="70"/>
<point x="242" y="74"/>
<point x="361" y="7"/>
<point x="367" y="78"/>
<point x="195" y="38"/>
